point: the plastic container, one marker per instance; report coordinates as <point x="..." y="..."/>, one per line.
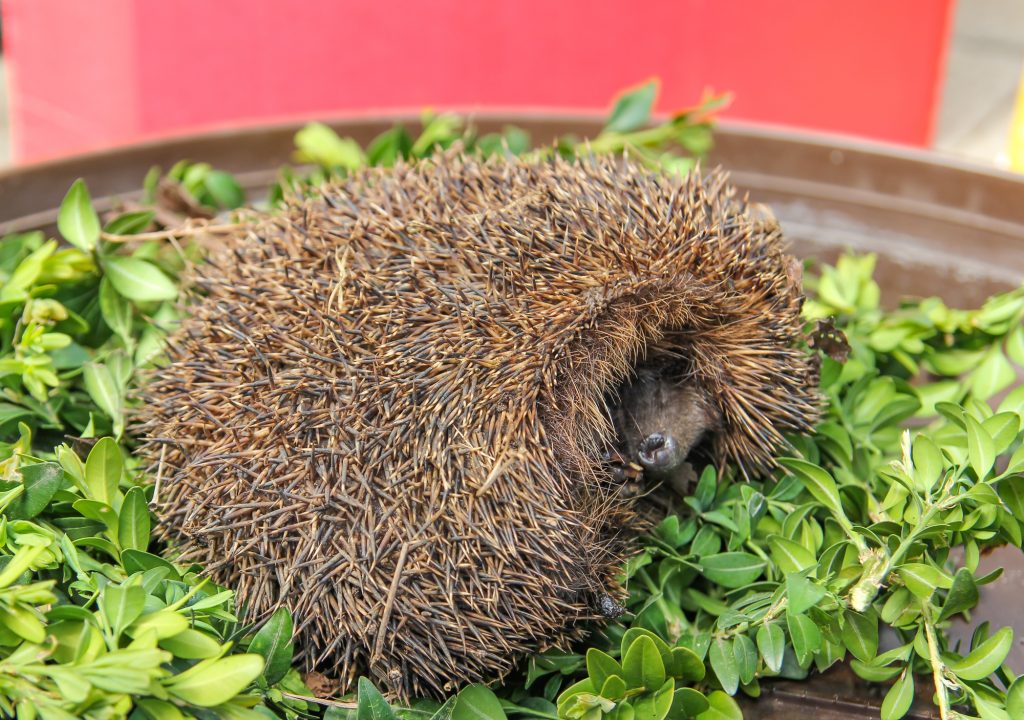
<point x="938" y="227"/>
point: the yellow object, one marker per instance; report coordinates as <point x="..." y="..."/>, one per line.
<point x="1017" y="131"/>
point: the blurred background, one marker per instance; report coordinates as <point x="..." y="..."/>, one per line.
<point x="82" y="76"/>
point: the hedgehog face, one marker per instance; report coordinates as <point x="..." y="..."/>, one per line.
<point x="660" y="416"/>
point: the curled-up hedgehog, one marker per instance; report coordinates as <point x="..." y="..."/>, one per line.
<point x="389" y="406"/>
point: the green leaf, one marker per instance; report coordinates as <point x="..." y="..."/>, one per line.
<point x="732" y="569"/>
<point x="622" y="711"/>
<point x="134" y="521"/>
<point x="706" y="542"/>
<point x="878" y="670"/>
<point x="1014" y="401"/>
<point x="126" y="670"/>
<point x="135" y="561"/>
<point x="274" y="643"/>
<point x="1015" y="698"/>
<point x="980" y="448"/>
<point x="130" y="223"/>
<point x="654" y="705"/>
<point x="216" y="600"/>
<point x="162" y="623"/>
<point x="159" y="710"/>
<point x="99" y="511"/>
<point x="993" y="375"/>
<point x="17" y="286"/>
<point x="586" y="685"/>
<point x="613" y="688"/>
<point x="746" y="658"/>
<point x="438" y="131"/>
<point x="818" y="483"/>
<point x="1011" y="492"/>
<point x="320" y="144"/>
<point x="103" y="469"/>
<point x="962" y="595"/>
<point x="475" y="702"/>
<point x="77" y="221"/>
<point x="224" y="189"/>
<point x="722" y="707"/>
<point x="707" y="487"/>
<point x="632" y="110"/>
<point x="116" y="311"/>
<point x="41" y="482"/>
<point x="121" y="605"/>
<point x="19" y="563"/>
<point x="922" y="579"/>
<point x="688" y="703"/>
<point x="997" y="311"/>
<point x="802" y="593"/>
<point x="990" y="708"/>
<point x="805" y="635"/>
<point x="1004" y="429"/>
<point x="723" y="664"/>
<point x="985" y="659"/>
<point x="150" y="183"/>
<point x="138" y="280"/>
<point x="873" y="673"/>
<point x="790" y="555"/>
<point x="445" y="711"/>
<point x="953" y="363"/>
<point x="70" y="684"/>
<point x="192" y="644"/>
<point x="860" y="634"/>
<point x="899" y="698"/>
<point x="685" y="664"/>
<point x="389" y="146"/>
<point x="630" y="636"/>
<point x="642" y="665"/>
<point x="10" y="412"/>
<point x="771" y="641"/>
<point x="216" y="680"/>
<point x="928" y="463"/>
<point x="22" y="622"/>
<point x="601" y="665"/>
<point x="105" y="391"/>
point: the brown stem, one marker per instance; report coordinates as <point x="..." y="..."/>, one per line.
<point x="322" y="701"/>
<point x="936" y="662"/>
<point x="172" y="233"/>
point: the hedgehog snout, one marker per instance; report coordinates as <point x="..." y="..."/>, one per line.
<point x="660" y="453"/>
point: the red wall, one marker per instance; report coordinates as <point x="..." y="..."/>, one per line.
<point x="86" y="74"/>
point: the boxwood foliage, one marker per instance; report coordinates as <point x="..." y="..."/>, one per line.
<point x="862" y="548"/>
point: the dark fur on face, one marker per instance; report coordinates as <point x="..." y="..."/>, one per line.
<point x="661" y="415"/>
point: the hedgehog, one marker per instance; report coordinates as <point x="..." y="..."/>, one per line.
<point x="389" y="405"/>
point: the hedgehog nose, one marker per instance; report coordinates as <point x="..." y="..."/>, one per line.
<point x="653" y="442"/>
<point x="659" y="452"/>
